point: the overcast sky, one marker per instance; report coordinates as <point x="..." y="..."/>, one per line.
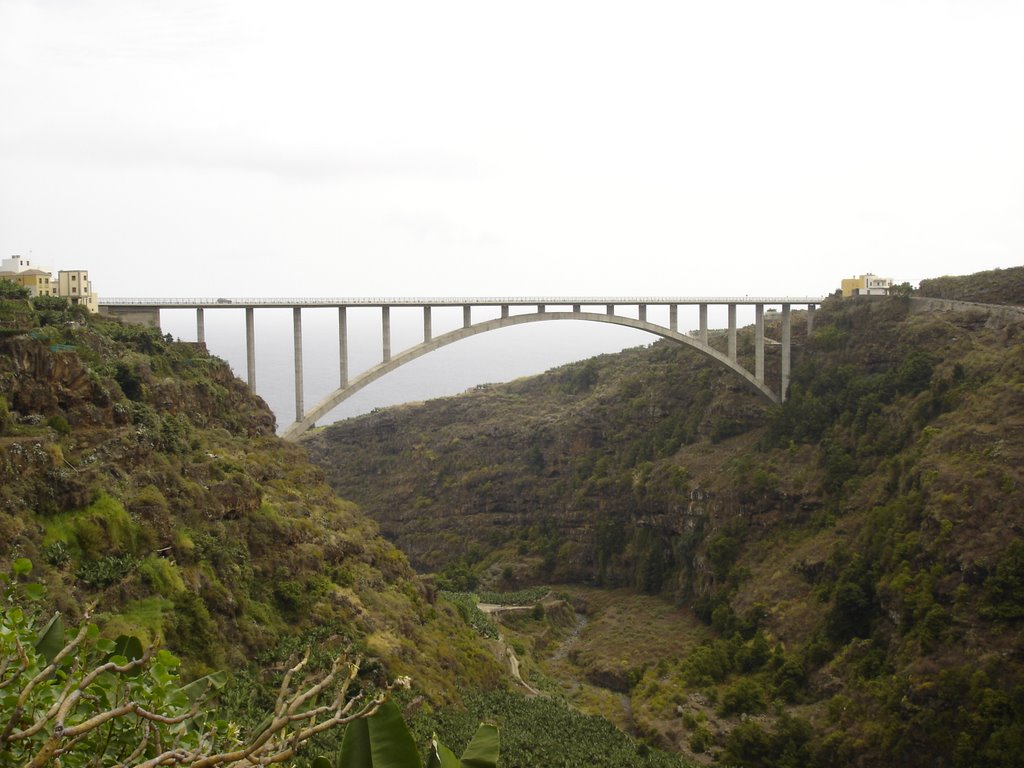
<point x="249" y="148"/>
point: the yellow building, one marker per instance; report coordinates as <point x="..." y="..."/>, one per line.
<point x="37" y="281"/>
<point x="866" y="285"/>
<point x="75" y="286"/>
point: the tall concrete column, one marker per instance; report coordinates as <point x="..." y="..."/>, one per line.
<point x="759" y="342"/>
<point x="732" y="332"/>
<point x="810" y="320"/>
<point x="343" y="345"/>
<point x="250" y="348"/>
<point x="297" y="343"/>
<point x="428" y="332"/>
<point x="467" y="316"/>
<point x="641" y="312"/>
<point x="504" y="310"/>
<point x="673" y="317"/>
<point x="704" y="324"/>
<point x="610" y="309"/>
<point x="786" y="338"/>
<point x="540" y="309"/>
<point x="385" y="331"/>
<point x="200" y="326"/>
<point x="576" y="308"/>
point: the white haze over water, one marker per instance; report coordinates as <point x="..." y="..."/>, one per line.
<point x="495" y="356"/>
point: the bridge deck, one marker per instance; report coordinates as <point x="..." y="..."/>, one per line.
<point x="434" y="301"/>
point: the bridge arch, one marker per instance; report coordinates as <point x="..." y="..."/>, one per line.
<point x="335" y="398"/>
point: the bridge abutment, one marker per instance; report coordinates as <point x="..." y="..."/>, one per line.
<point x="146" y="316"/>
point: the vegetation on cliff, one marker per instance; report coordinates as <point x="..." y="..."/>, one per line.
<point x="856" y="554"/>
<point x="139" y="474"/>
<point x="997" y="286"/>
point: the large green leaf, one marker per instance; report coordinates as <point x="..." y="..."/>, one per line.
<point x="51" y="640"/>
<point x="482" y="751"/>
<point x="211" y="682"/>
<point x="441" y="757"/>
<point x="381" y="741"/>
<point x="355" y="747"/>
<point x="130" y="648"/>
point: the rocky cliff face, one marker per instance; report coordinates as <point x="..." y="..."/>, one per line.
<point x="557" y="467"/>
<point x="141" y="473"/>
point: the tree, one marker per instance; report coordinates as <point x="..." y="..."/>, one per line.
<point x="11" y="290"/>
<point x="93" y="701"/>
<point x="901" y="289"/>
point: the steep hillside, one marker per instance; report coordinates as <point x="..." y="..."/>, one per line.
<point x="141" y="474"/>
<point x="997" y="286"/>
<point x="857" y="553"/>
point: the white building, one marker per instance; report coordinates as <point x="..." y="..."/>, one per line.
<point x="866" y="285"/>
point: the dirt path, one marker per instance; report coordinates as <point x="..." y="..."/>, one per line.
<point x="492" y="609"/>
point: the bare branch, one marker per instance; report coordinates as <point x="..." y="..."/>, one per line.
<point x="50" y="668"/>
<point x="286" y="683"/>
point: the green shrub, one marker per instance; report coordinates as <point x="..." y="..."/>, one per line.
<point x="161" y="575"/>
<point x="743" y="697"/>
<point x="56" y="554"/>
<point x="106" y="571"/>
<point x="11" y="290"/>
<point x="1003" y="591"/>
<point x="59" y="425"/>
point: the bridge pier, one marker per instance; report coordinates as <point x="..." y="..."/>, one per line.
<point x="641" y="312"/>
<point x="610" y="309"/>
<point x="297" y="343"/>
<point x="673" y="317"/>
<point x="343" y="346"/>
<point x="504" y="311"/>
<point x="759" y="342"/>
<point x="385" y="331"/>
<point x="540" y="309"/>
<point x="732" y="332"/>
<point x="250" y="348"/>
<point x="467" y="316"/>
<point x="704" y="324"/>
<point x="427" y="329"/>
<point x="200" y="326"/>
<point x="786" y="338"/>
<point x="575" y="307"/>
<point x="810" y="320"/>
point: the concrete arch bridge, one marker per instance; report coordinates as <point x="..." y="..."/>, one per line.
<point x="625" y="311"/>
